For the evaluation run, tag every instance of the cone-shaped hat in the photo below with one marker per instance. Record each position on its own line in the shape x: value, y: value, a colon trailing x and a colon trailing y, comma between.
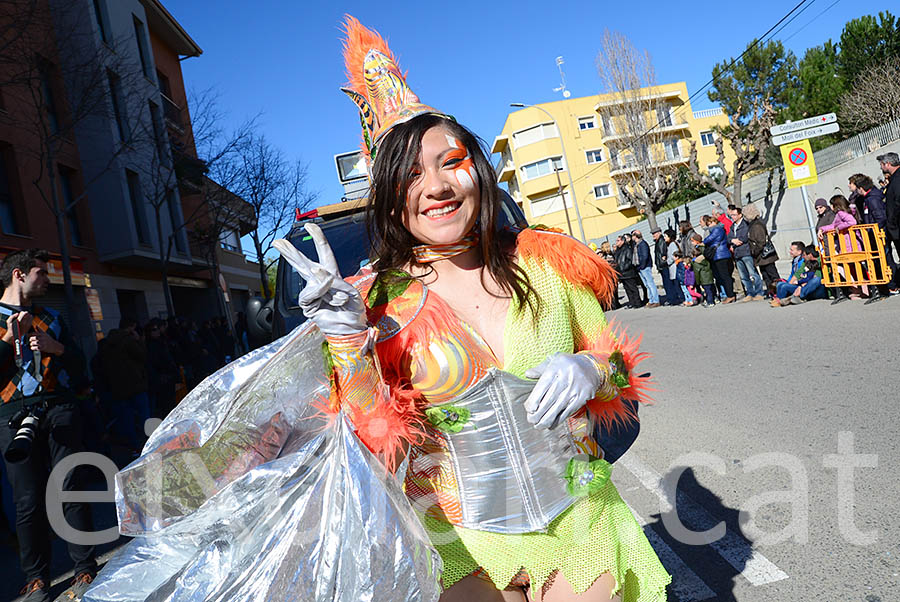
x: 376, y: 84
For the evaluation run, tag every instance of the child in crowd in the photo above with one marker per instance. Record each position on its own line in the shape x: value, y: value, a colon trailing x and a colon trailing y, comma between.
x: 679, y: 278
x: 690, y: 282
x: 703, y: 275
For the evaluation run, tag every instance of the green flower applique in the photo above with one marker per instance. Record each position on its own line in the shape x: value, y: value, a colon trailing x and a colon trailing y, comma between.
x: 586, y: 477
x: 618, y: 373
x: 448, y: 418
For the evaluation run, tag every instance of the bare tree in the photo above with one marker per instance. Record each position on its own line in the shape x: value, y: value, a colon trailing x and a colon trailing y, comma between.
x: 635, y: 116
x: 874, y: 97
x: 53, y: 92
x: 274, y: 187
x: 172, y: 168
x: 749, y: 142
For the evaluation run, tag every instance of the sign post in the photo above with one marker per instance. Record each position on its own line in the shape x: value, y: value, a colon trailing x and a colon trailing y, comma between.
x: 799, y: 165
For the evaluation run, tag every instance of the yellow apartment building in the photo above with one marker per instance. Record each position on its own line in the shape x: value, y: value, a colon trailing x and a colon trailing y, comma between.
x: 543, y: 147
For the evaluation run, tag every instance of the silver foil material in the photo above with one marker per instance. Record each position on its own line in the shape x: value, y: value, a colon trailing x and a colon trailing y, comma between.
x: 248, y: 491
x: 510, y: 475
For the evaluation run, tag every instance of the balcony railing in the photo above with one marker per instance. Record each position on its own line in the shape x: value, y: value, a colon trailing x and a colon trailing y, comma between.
x: 505, y: 168
x: 619, y: 167
x: 708, y: 113
x: 655, y: 128
x: 172, y: 113
x: 623, y: 203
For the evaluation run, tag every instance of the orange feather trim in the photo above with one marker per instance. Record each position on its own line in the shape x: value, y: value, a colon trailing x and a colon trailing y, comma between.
x: 358, y: 41
x: 615, y: 412
x: 573, y: 260
x: 388, y: 427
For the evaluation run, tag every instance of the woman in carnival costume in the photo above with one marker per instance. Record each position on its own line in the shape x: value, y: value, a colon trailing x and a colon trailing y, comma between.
x: 453, y: 303
x: 475, y: 363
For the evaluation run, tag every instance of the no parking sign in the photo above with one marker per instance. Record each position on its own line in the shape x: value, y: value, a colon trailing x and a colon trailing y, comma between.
x: 799, y: 165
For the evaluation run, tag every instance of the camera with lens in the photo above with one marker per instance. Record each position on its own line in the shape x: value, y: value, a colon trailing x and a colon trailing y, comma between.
x: 25, y: 422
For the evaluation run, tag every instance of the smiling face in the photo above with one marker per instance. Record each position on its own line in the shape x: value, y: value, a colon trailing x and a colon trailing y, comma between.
x: 443, y: 199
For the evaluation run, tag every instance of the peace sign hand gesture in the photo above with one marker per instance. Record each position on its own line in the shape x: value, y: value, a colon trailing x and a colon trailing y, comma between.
x: 331, y: 303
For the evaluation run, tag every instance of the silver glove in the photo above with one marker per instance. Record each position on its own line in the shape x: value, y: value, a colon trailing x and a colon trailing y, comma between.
x: 565, y: 383
x: 331, y: 303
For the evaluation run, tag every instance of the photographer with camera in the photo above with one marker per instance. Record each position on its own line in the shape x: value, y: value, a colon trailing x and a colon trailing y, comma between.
x: 40, y: 369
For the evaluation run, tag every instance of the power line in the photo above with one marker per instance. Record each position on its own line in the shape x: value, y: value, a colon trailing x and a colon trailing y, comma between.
x: 727, y: 68
x: 810, y: 22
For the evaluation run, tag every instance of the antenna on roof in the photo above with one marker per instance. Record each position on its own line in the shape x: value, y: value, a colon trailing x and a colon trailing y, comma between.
x: 562, y: 77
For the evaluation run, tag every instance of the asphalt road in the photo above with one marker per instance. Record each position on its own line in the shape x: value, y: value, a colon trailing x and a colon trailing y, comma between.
x: 753, y: 403
x: 750, y: 405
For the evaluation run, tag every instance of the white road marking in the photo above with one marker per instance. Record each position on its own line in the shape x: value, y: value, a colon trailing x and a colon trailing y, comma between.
x: 686, y: 584
x: 756, y: 568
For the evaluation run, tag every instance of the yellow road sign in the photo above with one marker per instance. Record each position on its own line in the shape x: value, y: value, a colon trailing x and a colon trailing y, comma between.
x: 799, y: 165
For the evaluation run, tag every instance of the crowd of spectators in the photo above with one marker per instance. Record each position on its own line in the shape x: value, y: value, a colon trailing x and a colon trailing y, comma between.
x: 697, y: 268
x: 142, y: 371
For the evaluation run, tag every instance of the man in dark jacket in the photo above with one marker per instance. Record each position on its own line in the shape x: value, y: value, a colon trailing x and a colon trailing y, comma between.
x: 739, y: 240
x: 41, y: 370
x: 764, y: 255
x: 660, y: 256
x: 645, y: 268
x: 628, y: 275
x: 890, y: 163
x: 873, y: 212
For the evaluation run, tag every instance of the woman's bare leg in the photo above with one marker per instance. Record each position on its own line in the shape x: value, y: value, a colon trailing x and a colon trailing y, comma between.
x: 560, y: 590
x: 476, y: 589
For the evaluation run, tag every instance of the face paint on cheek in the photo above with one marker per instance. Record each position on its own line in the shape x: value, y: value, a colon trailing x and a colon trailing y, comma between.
x: 464, y: 179
x: 464, y: 170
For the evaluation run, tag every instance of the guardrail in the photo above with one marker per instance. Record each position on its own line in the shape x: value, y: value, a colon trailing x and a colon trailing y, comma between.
x: 854, y: 256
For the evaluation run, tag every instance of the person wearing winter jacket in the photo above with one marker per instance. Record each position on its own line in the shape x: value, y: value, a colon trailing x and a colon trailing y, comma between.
x: 628, y: 275
x: 875, y: 212
x: 721, y: 263
x: 703, y: 275
x: 826, y: 215
x: 661, y: 255
x: 645, y: 268
x: 758, y: 238
x: 677, y: 297
x: 739, y: 239
x: 842, y: 221
x: 686, y: 243
x: 808, y: 284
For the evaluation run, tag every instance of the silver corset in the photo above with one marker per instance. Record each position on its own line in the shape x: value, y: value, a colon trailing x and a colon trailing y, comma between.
x: 510, y: 475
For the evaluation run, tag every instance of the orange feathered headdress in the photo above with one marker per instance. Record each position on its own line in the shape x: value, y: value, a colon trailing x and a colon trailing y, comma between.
x: 376, y: 85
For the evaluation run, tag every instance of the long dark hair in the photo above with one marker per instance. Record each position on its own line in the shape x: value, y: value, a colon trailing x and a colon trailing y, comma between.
x: 839, y: 203
x: 392, y: 243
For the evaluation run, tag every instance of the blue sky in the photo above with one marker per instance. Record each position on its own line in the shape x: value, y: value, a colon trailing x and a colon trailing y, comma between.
x: 470, y: 59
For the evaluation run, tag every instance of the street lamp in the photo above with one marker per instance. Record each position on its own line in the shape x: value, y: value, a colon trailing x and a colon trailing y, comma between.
x: 562, y: 145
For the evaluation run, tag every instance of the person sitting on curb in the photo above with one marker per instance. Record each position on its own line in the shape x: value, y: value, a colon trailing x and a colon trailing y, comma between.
x: 785, y: 288
x: 809, y: 285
